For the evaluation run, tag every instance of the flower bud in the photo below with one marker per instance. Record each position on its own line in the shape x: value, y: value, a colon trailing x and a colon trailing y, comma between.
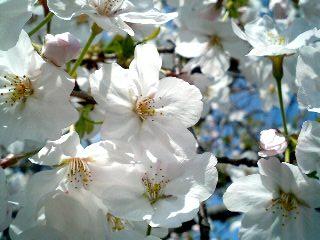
x: 272, y: 142
x: 61, y: 48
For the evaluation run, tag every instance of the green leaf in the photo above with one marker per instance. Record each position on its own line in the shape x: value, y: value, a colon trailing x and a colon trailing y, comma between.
x: 313, y: 175
x: 85, y: 125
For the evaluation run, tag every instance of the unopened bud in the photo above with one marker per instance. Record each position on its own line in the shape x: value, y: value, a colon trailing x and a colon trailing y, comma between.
x: 61, y: 48
x: 272, y: 142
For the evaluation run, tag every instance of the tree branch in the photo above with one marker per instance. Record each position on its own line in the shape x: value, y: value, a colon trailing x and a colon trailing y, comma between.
x: 83, y: 96
x: 204, y: 222
x: 238, y: 162
x: 12, y: 159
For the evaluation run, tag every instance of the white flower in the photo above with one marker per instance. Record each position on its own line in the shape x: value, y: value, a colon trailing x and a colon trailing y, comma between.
x: 272, y: 142
x: 61, y: 48
x: 258, y: 71
x: 112, y: 15
x: 137, y: 103
x: 5, y: 209
x: 308, y: 78
x: 34, y: 96
x: 77, y: 171
x: 307, y: 150
x: 278, y: 203
x: 13, y: 16
x: 164, y: 190
x: 62, y: 217
x: 210, y: 42
x: 269, y: 39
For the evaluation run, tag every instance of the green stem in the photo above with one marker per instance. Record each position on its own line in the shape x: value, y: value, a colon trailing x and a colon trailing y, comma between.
x: 95, y: 30
x: 278, y: 75
x: 148, y: 233
x: 40, y: 25
x: 277, y: 67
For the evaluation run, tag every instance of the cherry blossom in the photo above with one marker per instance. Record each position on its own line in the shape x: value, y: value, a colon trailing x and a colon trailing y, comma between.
x: 28, y: 88
x: 112, y: 15
x: 278, y: 203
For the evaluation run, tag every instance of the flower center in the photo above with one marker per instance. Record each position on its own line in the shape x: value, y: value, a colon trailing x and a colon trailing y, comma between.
x: 272, y: 88
x: 145, y: 108
x: 115, y: 223
x: 79, y: 174
x: 82, y: 19
x: 15, y: 89
x: 287, y: 203
x: 154, y: 186
x: 276, y: 39
x: 106, y: 7
x: 215, y: 41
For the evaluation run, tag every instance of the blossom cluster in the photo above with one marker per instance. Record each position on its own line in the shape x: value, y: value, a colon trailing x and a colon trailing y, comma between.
x: 106, y: 101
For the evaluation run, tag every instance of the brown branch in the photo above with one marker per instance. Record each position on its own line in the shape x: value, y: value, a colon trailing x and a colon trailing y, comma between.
x: 238, y: 162
x: 12, y: 159
x: 204, y: 222
x: 84, y: 96
x: 166, y: 50
x: 220, y: 212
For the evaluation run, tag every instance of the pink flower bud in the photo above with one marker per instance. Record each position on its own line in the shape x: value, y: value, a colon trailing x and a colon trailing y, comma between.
x: 272, y: 142
x: 61, y: 48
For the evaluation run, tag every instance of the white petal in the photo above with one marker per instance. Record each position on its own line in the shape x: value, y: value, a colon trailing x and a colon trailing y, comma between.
x: 179, y: 100
x: 246, y: 193
x: 53, y: 152
x: 112, y: 24
x: 308, y: 79
x: 66, y: 9
x: 147, y: 63
x: 189, y: 44
x: 261, y: 224
x: 41, y: 233
x: 307, y: 151
x: 148, y: 17
x: 13, y: 16
x: 173, y: 212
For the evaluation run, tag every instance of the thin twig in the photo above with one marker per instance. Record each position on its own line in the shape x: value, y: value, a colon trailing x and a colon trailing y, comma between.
x: 238, y: 162
x: 12, y: 159
x: 204, y: 222
x: 83, y: 96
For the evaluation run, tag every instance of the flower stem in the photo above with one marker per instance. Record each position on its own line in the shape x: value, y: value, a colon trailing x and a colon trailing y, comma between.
x: 95, y: 30
x: 148, y: 233
x: 277, y: 67
x: 40, y: 25
x: 278, y: 75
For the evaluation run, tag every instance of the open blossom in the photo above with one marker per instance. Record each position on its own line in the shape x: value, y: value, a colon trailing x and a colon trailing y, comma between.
x: 61, y: 48
x: 278, y: 203
x: 272, y: 142
x: 34, y: 96
x: 13, y: 16
x: 112, y: 15
x: 164, y: 190
x: 137, y: 102
x: 76, y: 171
x: 308, y: 78
x: 307, y: 151
x: 258, y: 71
x: 268, y: 39
x: 62, y: 217
x: 210, y: 43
